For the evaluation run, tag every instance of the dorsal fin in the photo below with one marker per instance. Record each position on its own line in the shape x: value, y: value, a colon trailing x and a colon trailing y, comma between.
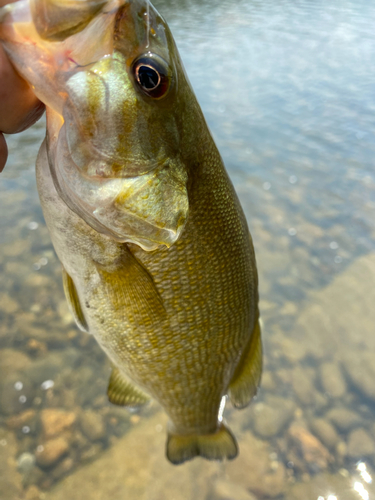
x: 123, y: 393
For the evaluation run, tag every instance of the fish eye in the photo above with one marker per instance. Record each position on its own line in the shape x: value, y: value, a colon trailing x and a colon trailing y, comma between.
x: 152, y: 75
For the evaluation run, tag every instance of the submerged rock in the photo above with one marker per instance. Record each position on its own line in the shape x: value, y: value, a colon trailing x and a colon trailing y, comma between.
x: 34, y: 493
x: 272, y: 416
x: 16, y: 422
x: 227, y: 490
x: 325, y: 431
x: 16, y: 393
x: 136, y: 468
x: 51, y: 451
x: 332, y: 380
x: 337, y: 486
x: 255, y: 470
x: 12, y: 361
x: 328, y: 327
x: 62, y: 468
x: 360, y: 444
x: 10, y: 478
x: 48, y: 367
x: 25, y: 462
x: 55, y: 421
x: 92, y: 425
x: 313, y: 452
x: 7, y: 304
x: 304, y: 386
x: 344, y: 419
x: 360, y: 369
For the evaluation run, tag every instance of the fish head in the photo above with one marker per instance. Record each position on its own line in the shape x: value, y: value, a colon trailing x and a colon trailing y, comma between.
x: 121, y: 135
x: 119, y: 110
x: 116, y: 95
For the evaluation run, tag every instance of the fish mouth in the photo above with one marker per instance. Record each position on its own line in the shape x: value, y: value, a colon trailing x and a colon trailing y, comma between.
x: 148, y: 210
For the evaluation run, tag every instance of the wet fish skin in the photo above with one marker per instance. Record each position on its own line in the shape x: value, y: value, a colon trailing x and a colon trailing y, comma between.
x: 178, y: 320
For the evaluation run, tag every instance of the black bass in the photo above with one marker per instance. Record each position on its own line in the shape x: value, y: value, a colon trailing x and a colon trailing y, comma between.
x: 157, y: 258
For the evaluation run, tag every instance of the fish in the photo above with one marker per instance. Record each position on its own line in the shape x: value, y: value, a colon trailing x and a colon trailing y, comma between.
x: 157, y: 258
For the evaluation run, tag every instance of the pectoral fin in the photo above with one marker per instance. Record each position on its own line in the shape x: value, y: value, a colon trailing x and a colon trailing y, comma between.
x: 123, y: 393
x: 133, y: 290
x: 73, y: 302
x: 246, y: 378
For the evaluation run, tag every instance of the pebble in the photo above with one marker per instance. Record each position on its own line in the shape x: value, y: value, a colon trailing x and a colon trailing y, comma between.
x: 25, y: 462
x: 293, y: 350
x: 18, y: 421
x: 34, y: 493
x: 16, y: 248
x: 227, y: 490
x: 12, y: 361
x: 55, y: 421
x: 10, y: 478
x: 325, y: 431
x: 256, y: 471
x: 332, y: 380
x: 360, y: 444
x: 51, y: 451
x: 268, y: 382
x: 313, y: 452
x: 92, y: 425
x: 13, y: 401
x: 48, y: 367
x: 326, y: 487
x: 36, y: 347
x: 7, y: 304
x: 37, y: 280
x: 344, y: 419
x: 62, y: 468
x: 360, y: 369
x: 91, y: 453
x: 303, y: 386
x: 341, y: 451
x: 271, y: 417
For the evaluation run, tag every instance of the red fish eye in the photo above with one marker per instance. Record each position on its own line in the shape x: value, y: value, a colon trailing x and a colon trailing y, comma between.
x: 151, y: 74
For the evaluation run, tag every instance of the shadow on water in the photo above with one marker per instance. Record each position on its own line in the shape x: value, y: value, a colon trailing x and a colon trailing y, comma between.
x: 287, y: 90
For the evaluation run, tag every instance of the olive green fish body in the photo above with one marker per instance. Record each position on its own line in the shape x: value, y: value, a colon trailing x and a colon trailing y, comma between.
x: 157, y: 257
x: 177, y: 319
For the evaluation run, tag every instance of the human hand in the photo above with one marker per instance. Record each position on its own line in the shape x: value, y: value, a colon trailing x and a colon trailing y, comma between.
x: 19, y: 107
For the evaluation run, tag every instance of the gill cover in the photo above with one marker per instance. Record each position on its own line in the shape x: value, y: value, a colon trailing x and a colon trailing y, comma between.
x: 107, y: 74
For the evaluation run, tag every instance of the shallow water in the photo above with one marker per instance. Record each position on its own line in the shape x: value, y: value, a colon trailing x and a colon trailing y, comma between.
x: 287, y: 89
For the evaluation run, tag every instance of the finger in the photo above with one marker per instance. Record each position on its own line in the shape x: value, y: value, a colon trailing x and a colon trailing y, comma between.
x: 3, y: 152
x: 19, y: 106
x: 4, y: 2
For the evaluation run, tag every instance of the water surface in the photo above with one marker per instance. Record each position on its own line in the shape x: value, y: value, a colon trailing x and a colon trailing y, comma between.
x: 287, y: 89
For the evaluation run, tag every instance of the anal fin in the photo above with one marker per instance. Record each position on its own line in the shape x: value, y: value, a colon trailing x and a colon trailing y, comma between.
x: 123, y: 393
x: 246, y: 378
x: 73, y: 301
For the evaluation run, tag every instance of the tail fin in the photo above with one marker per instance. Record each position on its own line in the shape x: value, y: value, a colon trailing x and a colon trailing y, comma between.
x: 217, y: 446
